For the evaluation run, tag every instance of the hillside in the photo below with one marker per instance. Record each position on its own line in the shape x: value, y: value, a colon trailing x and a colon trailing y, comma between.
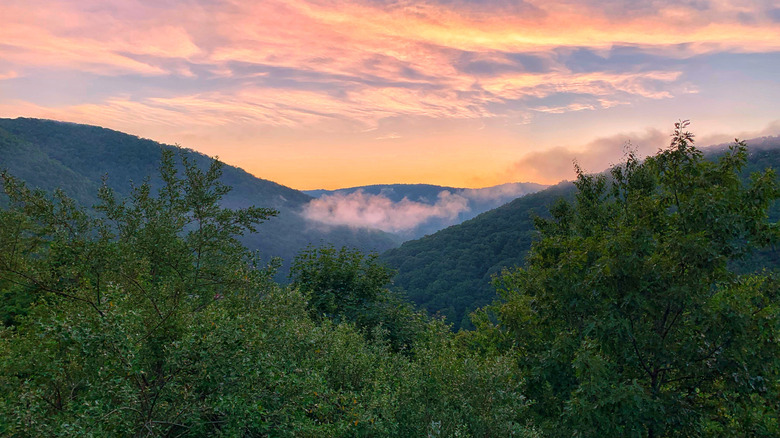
x: 450, y: 272
x: 49, y: 154
x: 427, y: 208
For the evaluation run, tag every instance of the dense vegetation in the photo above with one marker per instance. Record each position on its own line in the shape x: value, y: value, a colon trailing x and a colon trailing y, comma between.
x: 150, y: 318
x: 628, y: 321
x: 48, y: 155
x: 450, y: 272
x: 147, y: 316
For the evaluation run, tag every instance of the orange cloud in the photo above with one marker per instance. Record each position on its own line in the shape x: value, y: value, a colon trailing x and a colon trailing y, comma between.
x: 339, y: 36
x: 557, y: 163
x: 391, y: 59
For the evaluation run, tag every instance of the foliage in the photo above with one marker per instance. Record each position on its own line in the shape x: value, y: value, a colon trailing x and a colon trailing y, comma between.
x: 147, y: 317
x: 627, y: 319
x: 117, y: 295
x: 450, y: 272
x: 639, y: 313
x: 346, y: 285
x: 340, y: 282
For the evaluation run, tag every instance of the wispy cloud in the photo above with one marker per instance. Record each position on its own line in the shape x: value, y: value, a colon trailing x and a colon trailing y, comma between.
x: 365, y: 61
x: 348, y: 66
x: 8, y: 75
x: 390, y: 136
x: 501, y: 193
x: 557, y: 163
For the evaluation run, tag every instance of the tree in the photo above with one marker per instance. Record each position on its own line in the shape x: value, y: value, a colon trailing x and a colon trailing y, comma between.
x: 346, y: 285
x: 627, y: 319
x: 115, y: 297
x: 339, y: 283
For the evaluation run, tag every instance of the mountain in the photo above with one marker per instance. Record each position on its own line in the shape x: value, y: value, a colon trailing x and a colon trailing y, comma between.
x: 49, y: 154
x: 410, y: 210
x: 450, y: 271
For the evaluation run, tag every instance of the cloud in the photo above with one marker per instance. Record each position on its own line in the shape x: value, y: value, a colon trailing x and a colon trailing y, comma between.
x: 564, y: 109
x: 359, y: 209
x: 299, y: 75
x: 369, y: 60
x: 503, y: 192
x: 772, y: 129
x: 361, y: 107
x: 643, y: 84
x: 390, y: 136
x: 555, y: 164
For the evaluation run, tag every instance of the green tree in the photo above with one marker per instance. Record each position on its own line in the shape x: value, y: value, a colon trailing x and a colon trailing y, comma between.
x: 115, y: 297
x: 339, y: 282
x: 628, y: 321
x: 346, y: 285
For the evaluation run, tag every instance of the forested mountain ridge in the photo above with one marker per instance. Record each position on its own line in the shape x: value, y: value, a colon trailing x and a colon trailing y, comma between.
x: 87, y: 153
x: 427, y: 193
x: 49, y: 154
x: 450, y: 272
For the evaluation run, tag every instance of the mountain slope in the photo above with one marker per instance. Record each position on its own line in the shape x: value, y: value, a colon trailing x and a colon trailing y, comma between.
x: 450, y: 271
x: 49, y: 154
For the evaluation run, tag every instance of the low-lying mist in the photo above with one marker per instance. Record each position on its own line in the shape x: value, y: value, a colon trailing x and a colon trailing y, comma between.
x: 402, y: 210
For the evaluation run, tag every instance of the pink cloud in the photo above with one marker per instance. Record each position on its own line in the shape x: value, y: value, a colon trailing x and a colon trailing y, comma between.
x: 557, y: 163
x: 349, y: 38
x: 505, y: 192
x: 196, y: 69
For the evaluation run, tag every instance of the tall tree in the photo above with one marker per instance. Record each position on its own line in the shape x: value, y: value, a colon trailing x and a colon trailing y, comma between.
x: 114, y: 297
x: 628, y: 320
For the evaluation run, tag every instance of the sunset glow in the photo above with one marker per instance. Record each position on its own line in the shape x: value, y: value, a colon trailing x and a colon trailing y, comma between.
x: 329, y: 94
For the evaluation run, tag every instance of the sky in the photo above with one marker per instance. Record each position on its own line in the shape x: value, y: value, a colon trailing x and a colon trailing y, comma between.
x: 331, y: 94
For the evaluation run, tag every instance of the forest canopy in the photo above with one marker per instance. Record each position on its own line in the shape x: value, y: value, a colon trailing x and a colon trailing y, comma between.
x: 146, y: 316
